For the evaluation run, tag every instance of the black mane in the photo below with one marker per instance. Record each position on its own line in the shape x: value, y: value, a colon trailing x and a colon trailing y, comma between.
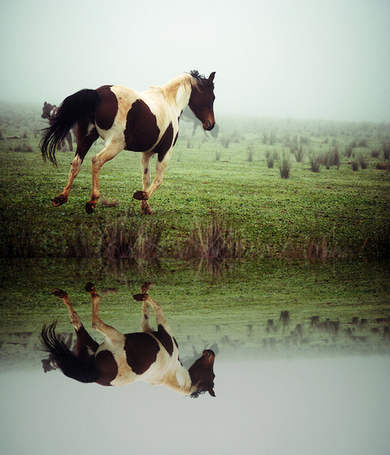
x: 202, y: 81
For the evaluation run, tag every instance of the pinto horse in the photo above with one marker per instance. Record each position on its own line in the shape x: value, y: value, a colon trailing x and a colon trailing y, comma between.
x: 151, y: 356
x: 48, y: 112
x: 146, y: 122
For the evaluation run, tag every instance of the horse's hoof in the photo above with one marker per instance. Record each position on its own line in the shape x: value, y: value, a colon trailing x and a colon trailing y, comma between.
x: 89, y: 287
x: 59, y: 293
x: 90, y: 207
x: 59, y: 200
x: 140, y: 297
x: 140, y: 196
x: 146, y: 210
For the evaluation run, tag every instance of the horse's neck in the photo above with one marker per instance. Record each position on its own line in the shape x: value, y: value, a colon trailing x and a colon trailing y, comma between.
x: 177, y: 92
x: 178, y: 380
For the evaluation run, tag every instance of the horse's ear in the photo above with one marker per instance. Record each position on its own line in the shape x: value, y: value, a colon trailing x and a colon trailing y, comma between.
x: 211, y: 77
x: 212, y: 393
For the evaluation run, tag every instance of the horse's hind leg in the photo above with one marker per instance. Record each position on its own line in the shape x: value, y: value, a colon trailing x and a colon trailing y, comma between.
x: 86, y: 345
x: 109, y: 332
x: 108, y: 153
x: 85, y: 140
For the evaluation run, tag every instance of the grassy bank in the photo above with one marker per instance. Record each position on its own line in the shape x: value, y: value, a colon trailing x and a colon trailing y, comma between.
x: 221, y: 198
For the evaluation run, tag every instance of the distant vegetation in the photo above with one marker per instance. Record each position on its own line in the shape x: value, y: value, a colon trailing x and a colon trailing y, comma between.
x: 263, y: 188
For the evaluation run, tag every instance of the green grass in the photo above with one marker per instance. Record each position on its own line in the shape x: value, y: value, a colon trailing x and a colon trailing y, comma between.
x: 333, y: 213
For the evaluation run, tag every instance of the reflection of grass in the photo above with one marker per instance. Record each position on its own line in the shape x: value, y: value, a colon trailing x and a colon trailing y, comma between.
x: 232, y: 308
x: 333, y: 213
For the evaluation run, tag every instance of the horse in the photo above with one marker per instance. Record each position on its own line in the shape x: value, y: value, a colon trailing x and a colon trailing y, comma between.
x: 48, y: 112
x: 150, y: 355
x: 188, y: 116
x: 146, y: 122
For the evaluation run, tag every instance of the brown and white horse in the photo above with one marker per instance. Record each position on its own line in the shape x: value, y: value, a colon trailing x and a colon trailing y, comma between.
x: 146, y: 122
x: 149, y: 355
x: 48, y: 112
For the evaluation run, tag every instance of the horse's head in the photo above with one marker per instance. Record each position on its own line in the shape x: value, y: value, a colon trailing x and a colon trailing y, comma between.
x: 202, y: 374
x: 202, y: 99
x: 46, y: 110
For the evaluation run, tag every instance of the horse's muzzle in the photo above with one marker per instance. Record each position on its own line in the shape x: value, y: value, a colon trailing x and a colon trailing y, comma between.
x: 208, y: 126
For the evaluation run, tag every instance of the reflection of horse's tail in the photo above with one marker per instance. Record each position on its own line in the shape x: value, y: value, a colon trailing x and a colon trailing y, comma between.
x: 75, y: 108
x: 69, y: 363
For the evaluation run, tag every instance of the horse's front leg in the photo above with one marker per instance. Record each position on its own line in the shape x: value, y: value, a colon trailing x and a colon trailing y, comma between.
x: 161, y: 165
x: 109, y: 332
x: 142, y: 195
x: 145, y: 322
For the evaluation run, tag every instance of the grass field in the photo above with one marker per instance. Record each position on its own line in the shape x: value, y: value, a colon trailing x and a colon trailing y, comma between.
x: 220, y: 197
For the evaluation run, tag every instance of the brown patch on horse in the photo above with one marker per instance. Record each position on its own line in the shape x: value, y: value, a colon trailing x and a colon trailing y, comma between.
x: 107, y: 367
x: 165, y: 339
x: 165, y: 143
x: 86, y: 346
x: 141, y: 351
x: 141, y: 131
x: 107, y: 109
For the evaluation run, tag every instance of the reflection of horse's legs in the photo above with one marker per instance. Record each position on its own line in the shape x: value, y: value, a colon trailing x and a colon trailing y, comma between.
x: 84, y: 141
x: 109, y: 332
x: 160, y: 318
x: 74, y: 317
x: 144, y: 195
x: 145, y: 323
x: 86, y: 345
x: 108, y: 153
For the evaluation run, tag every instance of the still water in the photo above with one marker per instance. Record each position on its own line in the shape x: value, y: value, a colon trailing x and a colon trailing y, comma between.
x: 302, y: 359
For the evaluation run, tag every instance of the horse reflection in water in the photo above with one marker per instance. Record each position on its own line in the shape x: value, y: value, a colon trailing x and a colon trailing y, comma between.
x: 149, y: 355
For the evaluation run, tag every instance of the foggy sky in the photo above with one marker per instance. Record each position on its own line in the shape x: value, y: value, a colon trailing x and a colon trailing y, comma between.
x: 273, y: 58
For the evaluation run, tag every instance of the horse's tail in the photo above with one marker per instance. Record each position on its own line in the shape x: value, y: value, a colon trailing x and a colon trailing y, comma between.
x: 79, y: 106
x: 69, y: 363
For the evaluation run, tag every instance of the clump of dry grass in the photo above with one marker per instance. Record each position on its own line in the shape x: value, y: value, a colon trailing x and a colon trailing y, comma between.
x: 124, y: 238
x: 215, y: 240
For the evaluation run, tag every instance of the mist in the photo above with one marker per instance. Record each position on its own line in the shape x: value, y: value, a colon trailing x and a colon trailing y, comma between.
x: 322, y: 406
x: 279, y: 59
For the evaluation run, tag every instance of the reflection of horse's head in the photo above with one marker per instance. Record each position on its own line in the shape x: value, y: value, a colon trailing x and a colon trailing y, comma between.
x: 149, y: 355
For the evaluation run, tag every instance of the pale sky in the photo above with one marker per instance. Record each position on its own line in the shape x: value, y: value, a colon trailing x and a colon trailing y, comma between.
x: 273, y: 58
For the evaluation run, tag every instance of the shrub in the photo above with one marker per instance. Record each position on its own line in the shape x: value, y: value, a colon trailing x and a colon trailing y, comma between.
x: 270, y: 158
x: 215, y: 240
x: 386, y: 150
x: 375, y: 154
x: 348, y: 151
x: 363, y: 162
x: 251, y: 153
x: 355, y: 165
x: 285, y: 165
x: 315, y: 163
x: 299, y: 154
